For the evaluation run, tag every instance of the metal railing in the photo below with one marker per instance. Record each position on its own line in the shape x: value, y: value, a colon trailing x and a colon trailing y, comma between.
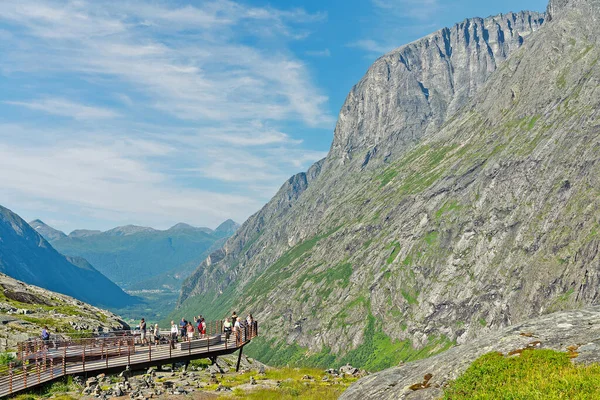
x: 40, y: 361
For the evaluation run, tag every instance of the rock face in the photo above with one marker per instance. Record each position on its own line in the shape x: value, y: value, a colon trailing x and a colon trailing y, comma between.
x: 25, y: 255
x: 411, y: 91
x: 484, y: 216
x: 577, y: 330
x: 25, y: 309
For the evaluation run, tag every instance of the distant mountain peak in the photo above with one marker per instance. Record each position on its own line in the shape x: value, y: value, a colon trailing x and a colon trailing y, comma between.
x: 229, y: 226
x: 47, y: 232
x: 187, y: 227
x: 128, y: 230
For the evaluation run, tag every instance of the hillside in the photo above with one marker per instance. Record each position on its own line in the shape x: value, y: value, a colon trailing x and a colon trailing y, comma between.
x: 141, y: 258
x: 25, y: 255
x: 459, y: 196
x: 25, y: 309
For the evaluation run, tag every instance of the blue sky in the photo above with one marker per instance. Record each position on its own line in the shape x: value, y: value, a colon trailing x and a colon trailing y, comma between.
x: 157, y: 112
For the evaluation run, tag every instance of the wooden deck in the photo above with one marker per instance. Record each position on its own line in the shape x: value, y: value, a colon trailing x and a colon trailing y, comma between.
x: 39, y: 363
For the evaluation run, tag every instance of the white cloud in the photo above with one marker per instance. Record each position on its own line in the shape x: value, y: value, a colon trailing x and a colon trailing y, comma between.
x: 181, y: 119
x: 66, y: 108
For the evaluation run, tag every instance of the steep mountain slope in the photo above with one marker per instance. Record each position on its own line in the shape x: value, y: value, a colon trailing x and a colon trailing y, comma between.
x: 25, y: 309
x: 139, y: 257
x: 312, y: 262
x: 486, y: 221
x: 25, y: 255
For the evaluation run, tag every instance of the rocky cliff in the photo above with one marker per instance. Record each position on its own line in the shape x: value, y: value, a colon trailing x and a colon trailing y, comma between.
x: 470, y: 206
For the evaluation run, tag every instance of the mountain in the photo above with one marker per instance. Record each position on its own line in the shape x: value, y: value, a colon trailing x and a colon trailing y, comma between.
x: 25, y: 255
x: 46, y: 231
x: 142, y: 258
x: 460, y: 195
x: 24, y: 310
x: 227, y: 228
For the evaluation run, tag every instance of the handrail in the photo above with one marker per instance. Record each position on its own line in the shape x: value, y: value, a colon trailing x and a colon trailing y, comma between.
x: 41, y: 361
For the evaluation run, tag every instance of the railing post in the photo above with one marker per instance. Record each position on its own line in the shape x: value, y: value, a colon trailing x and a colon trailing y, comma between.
x: 149, y: 351
x: 10, y: 375
x: 128, y: 352
x: 170, y: 345
x: 24, y: 375
x: 83, y: 356
x: 64, y: 360
x: 37, y: 366
x: 106, y: 358
x: 51, y: 367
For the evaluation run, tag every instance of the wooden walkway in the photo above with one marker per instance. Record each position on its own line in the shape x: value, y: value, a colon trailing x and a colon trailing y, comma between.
x: 39, y: 363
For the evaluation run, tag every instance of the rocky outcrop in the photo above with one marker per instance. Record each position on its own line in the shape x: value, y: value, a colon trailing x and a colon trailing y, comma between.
x: 25, y: 309
x: 485, y: 221
x: 576, y: 331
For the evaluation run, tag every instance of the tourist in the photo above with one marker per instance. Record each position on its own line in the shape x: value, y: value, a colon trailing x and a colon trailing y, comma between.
x: 45, y: 334
x: 183, y: 327
x: 227, y: 328
x: 250, y: 322
x: 202, y: 328
x: 234, y: 317
x: 237, y: 329
x: 190, y: 331
x: 156, y: 334
x: 143, y: 338
x: 174, y: 332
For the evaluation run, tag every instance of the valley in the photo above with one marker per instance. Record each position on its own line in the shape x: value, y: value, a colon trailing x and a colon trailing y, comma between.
x: 449, y: 237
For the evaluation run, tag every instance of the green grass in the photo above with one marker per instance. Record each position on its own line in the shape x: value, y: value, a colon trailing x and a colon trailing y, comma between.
x: 379, y: 351
x: 292, y: 385
x: 534, y: 375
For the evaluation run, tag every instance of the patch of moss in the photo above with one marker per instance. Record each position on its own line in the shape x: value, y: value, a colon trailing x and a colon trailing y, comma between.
x: 535, y: 374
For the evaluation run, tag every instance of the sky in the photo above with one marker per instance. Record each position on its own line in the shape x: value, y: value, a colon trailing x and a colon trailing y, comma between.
x: 158, y: 112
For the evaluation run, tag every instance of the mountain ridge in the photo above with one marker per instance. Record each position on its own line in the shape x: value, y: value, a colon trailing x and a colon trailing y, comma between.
x: 25, y: 255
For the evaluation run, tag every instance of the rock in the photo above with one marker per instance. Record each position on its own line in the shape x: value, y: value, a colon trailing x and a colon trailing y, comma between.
x: 261, y: 369
x: 307, y: 378
x: 222, y: 388
x: 117, y: 391
x: 126, y: 374
x: 215, y: 369
x: 349, y: 370
x: 252, y: 380
x: 91, y: 381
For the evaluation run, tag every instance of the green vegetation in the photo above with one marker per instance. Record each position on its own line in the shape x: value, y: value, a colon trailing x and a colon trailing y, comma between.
x: 379, y: 352
x: 394, y: 253
x: 293, y: 386
x: 56, y: 390
x: 448, y: 208
x: 535, y: 374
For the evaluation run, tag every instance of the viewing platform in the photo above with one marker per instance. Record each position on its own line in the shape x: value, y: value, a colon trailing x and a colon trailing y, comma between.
x: 40, y: 362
